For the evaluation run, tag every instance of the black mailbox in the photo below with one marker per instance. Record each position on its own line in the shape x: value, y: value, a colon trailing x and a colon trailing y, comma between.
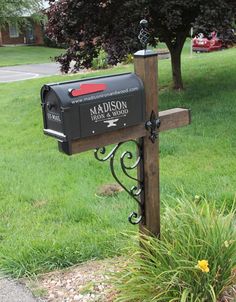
x: 79, y: 109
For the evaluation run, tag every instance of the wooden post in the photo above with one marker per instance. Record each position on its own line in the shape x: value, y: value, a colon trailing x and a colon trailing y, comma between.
x: 145, y: 65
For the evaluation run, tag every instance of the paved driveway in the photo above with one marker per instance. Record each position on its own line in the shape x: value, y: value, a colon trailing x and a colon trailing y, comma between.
x: 25, y: 72
x: 11, y: 291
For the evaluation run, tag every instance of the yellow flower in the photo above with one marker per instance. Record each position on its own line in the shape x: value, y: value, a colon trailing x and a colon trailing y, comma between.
x: 226, y: 243
x: 203, y: 266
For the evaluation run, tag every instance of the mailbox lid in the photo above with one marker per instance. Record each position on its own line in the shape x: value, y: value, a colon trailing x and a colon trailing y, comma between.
x: 111, y: 84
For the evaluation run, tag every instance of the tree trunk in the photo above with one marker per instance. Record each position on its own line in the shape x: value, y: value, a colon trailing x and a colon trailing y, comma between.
x: 175, y: 52
x: 176, y: 69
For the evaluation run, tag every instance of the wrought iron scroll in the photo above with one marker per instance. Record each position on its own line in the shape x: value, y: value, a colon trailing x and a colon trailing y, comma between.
x: 135, y: 191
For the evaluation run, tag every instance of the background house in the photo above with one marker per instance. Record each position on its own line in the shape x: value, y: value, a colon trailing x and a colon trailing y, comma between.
x: 30, y: 33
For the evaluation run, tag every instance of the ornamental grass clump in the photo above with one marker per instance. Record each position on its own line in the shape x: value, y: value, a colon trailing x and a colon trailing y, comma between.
x: 194, y: 261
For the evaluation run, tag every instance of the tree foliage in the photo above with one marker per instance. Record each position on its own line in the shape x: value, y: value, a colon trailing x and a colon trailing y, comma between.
x: 87, y: 26
x: 13, y: 10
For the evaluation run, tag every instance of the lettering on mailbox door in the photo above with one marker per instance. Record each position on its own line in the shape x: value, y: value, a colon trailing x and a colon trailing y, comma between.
x: 107, y: 111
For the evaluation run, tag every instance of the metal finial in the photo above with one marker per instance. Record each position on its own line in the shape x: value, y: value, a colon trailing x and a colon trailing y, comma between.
x: 144, y: 33
x: 144, y: 23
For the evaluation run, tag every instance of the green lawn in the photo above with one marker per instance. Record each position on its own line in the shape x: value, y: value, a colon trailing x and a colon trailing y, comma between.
x: 50, y: 214
x: 19, y: 55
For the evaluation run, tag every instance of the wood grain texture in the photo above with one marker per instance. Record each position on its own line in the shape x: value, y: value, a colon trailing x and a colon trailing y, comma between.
x: 170, y: 119
x: 146, y: 69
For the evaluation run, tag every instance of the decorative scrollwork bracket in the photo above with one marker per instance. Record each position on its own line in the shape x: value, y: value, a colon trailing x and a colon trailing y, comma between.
x: 135, y: 191
x: 152, y: 125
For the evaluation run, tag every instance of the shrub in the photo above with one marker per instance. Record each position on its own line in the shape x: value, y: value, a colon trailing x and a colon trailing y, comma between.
x: 129, y: 59
x: 50, y: 43
x: 101, y: 61
x: 193, y: 261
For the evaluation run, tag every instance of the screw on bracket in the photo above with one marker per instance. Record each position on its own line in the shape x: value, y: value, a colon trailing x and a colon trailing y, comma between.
x: 152, y: 125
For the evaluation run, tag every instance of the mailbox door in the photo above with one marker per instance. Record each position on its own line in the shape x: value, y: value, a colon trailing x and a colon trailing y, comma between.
x: 53, y: 119
x: 111, y: 114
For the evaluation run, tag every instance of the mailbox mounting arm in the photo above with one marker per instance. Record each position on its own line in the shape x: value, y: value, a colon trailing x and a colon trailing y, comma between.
x: 135, y: 191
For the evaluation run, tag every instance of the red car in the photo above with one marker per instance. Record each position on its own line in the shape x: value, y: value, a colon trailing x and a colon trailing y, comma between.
x: 211, y: 43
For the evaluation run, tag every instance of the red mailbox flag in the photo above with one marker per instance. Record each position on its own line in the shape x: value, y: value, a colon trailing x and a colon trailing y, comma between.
x: 87, y: 89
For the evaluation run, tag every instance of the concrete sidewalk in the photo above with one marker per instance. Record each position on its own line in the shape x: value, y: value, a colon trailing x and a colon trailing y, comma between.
x: 10, y: 291
x: 25, y: 72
